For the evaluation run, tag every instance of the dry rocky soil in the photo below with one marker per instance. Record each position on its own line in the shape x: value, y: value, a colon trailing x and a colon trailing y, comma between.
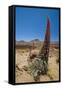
x: 23, y: 76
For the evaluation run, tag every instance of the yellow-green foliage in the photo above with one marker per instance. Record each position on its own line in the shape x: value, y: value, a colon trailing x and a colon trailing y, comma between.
x: 50, y: 74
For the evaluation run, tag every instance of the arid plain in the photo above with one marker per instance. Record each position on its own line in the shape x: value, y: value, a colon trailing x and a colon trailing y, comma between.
x: 22, y: 55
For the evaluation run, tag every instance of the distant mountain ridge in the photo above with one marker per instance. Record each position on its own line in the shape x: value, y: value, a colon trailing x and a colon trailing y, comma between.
x: 35, y: 41
x: 29, y: 43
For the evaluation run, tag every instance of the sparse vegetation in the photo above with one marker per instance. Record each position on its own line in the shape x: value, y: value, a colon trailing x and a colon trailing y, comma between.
x: 23, y: 72
x: 57, y: 60
x: 50, y: 74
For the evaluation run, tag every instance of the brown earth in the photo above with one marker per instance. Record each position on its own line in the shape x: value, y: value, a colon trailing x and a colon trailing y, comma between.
x: 23, y: 76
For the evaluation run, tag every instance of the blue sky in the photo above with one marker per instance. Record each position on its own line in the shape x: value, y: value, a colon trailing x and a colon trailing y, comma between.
x: 31, y: 23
